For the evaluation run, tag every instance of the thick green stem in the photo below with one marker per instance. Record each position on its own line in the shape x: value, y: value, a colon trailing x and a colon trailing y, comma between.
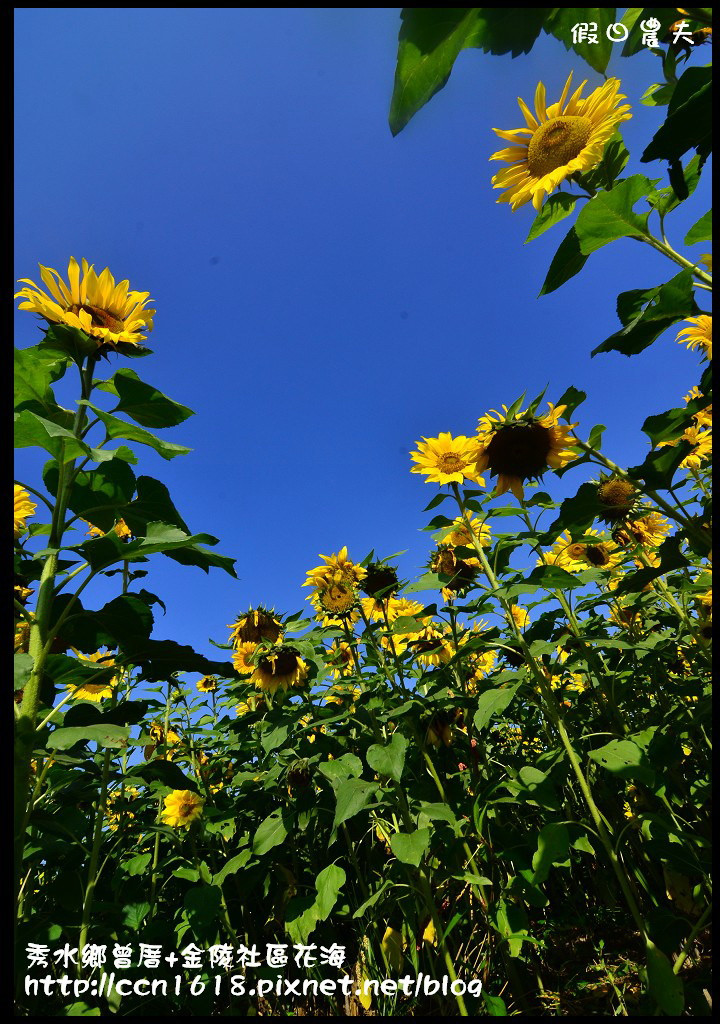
x: 94, y: 859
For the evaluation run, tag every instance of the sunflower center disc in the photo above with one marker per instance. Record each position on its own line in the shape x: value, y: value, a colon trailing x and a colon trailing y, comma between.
x: 282, y: 663
x: 101, y: 318
x: 520, y: 450
x: 450, y: 463
x: 556, y: 143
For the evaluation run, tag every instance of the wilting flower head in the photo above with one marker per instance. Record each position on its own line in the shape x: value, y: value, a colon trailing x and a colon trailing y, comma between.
x: 561, y: 140
x: 23, y: 508
x: 462, y: 571
x: 88, y: 690
x: 337, y: 569
x: 279, y: 668
x: 521, y: 447
x: 104, y: 310
x: 698, y: 335
x: 182, y: 807
x: 255, y: 625
x: 446, y: 459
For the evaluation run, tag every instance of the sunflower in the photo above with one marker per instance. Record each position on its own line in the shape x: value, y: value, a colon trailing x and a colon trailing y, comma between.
x: 343, y: 695
x: 576, y: 556
x: 96, y: 305
x: 208, y: 684
x: 403, y: 608
x: 699, y: 335
x: 336, y: 603
x: 521, y: 447
x: 22, y: 636
x: 649, y: 530
x: 564, y: 139
x: 340, y: 658
x: 279, y: 668
x: 242, y: 657
x: 616, y: 497
x: 374, y: 608
x: 94, y: 691
x: 160, y: 737
x: 249, y: 704
x: 520, y: 616
x: 23, y: 509
x: 338, y: 568
x: 462, y: 532
x: 255, y: 625
x: 182, y: 807
x: 704, y: 417
x: 121, y: 529
x: 115, y: 817
x: 462, y: 571
x: 431, y: 646
x: 446, y: 459
x: 380, y: 581
x: 700, y: 439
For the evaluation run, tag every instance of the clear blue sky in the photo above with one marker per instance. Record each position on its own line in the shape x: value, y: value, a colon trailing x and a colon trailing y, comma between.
x: 326, y: 294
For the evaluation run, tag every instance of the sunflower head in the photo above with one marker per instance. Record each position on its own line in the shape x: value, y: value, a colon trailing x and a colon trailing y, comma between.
x: 557, y: 142
x: 338, y: 568
x: 94, y: 691
x: 182, y: 807
x: 616, y: 497
x: 299, y: 774
x: 208, y: 684
x: 462, y: 572
x: 446, y: 459
x: 106, y: 312
x: 255, y: 625
x: 279, y: 668
x: 120, y: 529
x: 520, y: 446
x: 336, y: 602
x: 23, y: 509
x: 242, y: 658
x: 698, y: 335
x: 381, y: 581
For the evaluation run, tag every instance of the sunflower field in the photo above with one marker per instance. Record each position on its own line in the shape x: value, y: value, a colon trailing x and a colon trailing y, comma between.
x: 481, y: 791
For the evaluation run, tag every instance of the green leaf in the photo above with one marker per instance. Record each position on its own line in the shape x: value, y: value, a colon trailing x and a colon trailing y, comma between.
x: 328, y: 885
x: 660, y: 466
x: 577, y: 513
x: 202, y: 904
x: 633, y: 20
x: 144, y: 403
x: 624, y: 758
x: 664, y: 986
x: 493, y: 703
x: 32, y: 430
x: 152, y: 504
x: 134, y: 914
x: 271, y: 833
x: 232, y: 866
x: 410, y: 847
x: 609, y: 215
x: 158, y: 659
x: 571, y: 399
x: 162, y: 771
x: 136, y: 865
x: 553, y: 847
x: 35, y: 370
x: 129, y: 432
x: 701, y: 231
x: 689, y: 119
x: 566, y: 263
x: 596, y: 54
x: 105, y: 735
x: 271, y: 738
x: 371, y: 900
x: 98, y: 494
x: 352, y: 796
x: 556, y: 208
x: 604, y: 176
x: 666, y: 426
x: 647, y: 313
x: 552, y: 577
x: 683, y: 182
x: 22, y: 670
x: 432, y: 37
x: 390, y: 760
x: 658, y: 94
x: 122, y: 620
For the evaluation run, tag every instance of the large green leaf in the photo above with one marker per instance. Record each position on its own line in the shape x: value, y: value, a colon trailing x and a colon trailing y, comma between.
x: 701, y: 231
x: 144, y: 403
x: 493, y: 703
x: 664, y: 985
x: 432, y: 37
x: 555, y: 208
x: 158, y: 659
x: 553, y: 847
x: 624, y: 758
x: 105, y: 735
x: 647, y: 313
x: 124, y: 619
x: 566, y: 263
x: 597, y: 53
x: 390, y: 760
x: 410, y: 847
x: 271, y: 832
x: 32, y: 430
x: 129, y: 432
x: 610, y: 215
x: 98, y: 494
x: 152, y: 504
x: 328, y: 885
x: 689, y: 120
x: 35, y: 370
x: 352, y: 796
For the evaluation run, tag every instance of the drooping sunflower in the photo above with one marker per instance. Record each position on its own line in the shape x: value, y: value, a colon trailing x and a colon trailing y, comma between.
x: 380, y: 581
x: 121, y: 529
x: 446, y: 459
x: 338, y: 568
x: 87, y: 690
x: 432, y: 647
x: 104, y: 310
x: 521, y: 447
x: 255, y: 625
x: 279, y: 668
x: 462, y: 571
x: 23, y: 509
x: 698, y: 335
x: 182, y: 807
x: 561, y: 140
x: 616, y: 497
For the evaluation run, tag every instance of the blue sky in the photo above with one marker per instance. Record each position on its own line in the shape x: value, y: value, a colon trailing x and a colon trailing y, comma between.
x: 326, y: 294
